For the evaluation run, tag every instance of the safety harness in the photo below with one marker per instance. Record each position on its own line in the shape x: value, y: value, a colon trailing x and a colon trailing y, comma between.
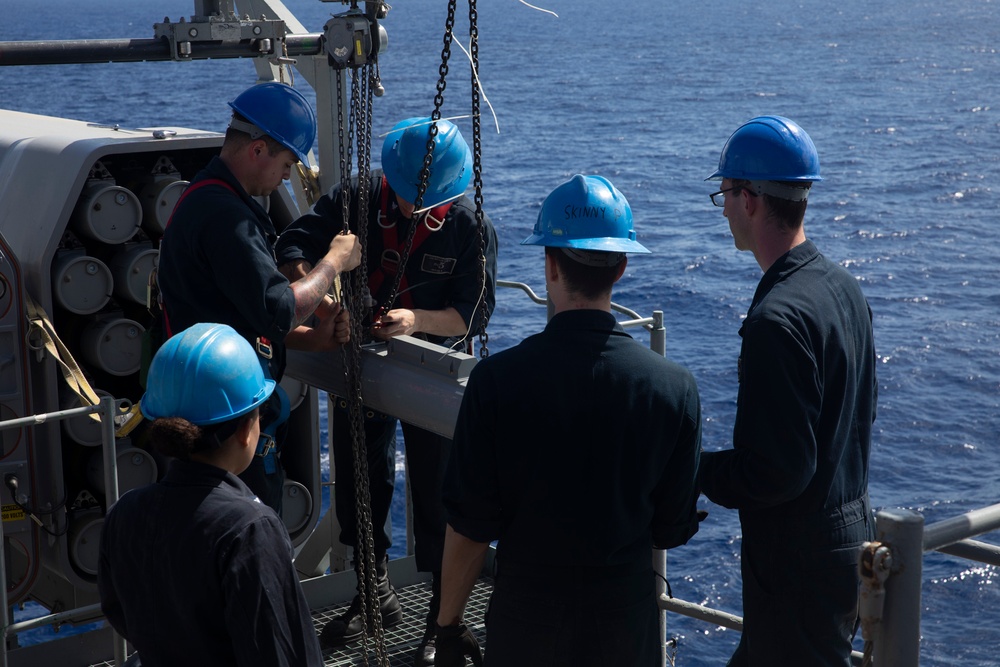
x: 393, y: 244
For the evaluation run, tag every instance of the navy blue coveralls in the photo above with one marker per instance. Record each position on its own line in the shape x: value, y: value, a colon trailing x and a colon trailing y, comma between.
x: 216, y: 264
x: 798, y: 469
x: 195, y: 570
x: 578, y: 451
x: 442, y: 270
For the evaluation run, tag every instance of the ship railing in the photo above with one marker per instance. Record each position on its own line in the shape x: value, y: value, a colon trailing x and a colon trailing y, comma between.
x: 108, y: 408
x: 654, y: 324
x: 891, y: 571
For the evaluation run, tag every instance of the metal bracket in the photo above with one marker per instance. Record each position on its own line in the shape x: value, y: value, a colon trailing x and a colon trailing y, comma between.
x: 875, y: 566
x: 267, y: 35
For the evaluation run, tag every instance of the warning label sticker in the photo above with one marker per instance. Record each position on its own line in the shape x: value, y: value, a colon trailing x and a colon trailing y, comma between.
x: 11, y: 513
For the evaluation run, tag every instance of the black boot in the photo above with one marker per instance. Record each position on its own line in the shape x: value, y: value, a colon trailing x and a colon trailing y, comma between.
x: 425, y: 652
x: 349, y: 626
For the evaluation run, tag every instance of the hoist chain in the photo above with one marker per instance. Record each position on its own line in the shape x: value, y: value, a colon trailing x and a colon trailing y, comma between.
x: 477, y: 169
x: 354, y: 292
x: 416, y: 219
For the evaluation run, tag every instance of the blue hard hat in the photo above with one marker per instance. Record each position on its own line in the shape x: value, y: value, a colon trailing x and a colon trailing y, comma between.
x: 206, y: 374
x: 403, y: 153
x: 586, y: 213
x: 769, y: 148
x: 282, y: 113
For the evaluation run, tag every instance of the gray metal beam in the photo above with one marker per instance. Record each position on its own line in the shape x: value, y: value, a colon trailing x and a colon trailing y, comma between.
x: 416, y: 381
x: 974, y: 550
x: 80, y: 51
x: 964, y: 526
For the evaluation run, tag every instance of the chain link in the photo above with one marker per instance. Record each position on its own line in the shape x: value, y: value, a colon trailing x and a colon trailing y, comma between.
x: 354, y: 296
x: 477, y: 169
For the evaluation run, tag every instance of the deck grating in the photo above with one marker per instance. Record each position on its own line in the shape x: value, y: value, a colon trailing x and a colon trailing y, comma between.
x: 402, y: 640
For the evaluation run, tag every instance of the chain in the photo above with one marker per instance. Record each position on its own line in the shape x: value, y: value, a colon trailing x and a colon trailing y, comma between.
x: 477, y: 170
x: 361, y: 112
x: 354, y: 293
x: 425, y: 170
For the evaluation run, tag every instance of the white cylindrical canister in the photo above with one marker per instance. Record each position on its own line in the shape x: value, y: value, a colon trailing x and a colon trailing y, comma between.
x: 131, y: 267
x: 296, y: 505
x: 135, y: 468
x: 107, y: 212
x: 159, y: 197
x: 85, y: 541
x: 82, y: 429
x: 81, y: 284
x: 113, y: 344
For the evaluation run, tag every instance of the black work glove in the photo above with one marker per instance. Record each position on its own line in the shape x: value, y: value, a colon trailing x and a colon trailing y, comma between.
x: 453, y: 643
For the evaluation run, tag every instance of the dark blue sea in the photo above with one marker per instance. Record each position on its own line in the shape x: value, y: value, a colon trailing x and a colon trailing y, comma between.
x: 903, y: 103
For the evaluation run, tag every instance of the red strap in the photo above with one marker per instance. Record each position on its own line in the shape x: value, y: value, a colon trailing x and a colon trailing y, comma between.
x: 391, y: 241
x: 196, y: 186
x: 188, y: 190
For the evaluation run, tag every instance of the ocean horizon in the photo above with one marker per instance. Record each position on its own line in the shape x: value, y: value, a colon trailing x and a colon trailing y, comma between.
x: 903, y: 104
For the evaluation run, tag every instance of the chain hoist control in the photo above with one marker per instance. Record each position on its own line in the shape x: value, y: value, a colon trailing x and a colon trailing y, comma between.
x: 349, y: 39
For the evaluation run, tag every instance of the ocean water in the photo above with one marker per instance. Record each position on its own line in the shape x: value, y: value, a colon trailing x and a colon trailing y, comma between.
x: 903, y: 104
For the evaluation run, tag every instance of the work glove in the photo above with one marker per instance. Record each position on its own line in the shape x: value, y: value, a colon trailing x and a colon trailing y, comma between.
x: 453, y: 643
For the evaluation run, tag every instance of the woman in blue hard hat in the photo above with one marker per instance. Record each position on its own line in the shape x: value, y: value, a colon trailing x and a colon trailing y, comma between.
x: 216, y: 261
x: 194, y: 568
x: 447, y: 284
x: 798, y: 468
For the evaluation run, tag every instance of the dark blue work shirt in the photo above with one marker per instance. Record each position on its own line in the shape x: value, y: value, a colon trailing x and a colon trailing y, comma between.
x: 576, y: 448
x: 195, y: 570
x: 217, y: 264
x: 807, y: 395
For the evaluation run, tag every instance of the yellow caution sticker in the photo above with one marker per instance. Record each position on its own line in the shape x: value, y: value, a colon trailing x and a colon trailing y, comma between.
x: 12, y: 513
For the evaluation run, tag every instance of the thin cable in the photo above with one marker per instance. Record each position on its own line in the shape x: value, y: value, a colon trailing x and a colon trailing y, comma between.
x: 547, y: 11
x: 475, y: 73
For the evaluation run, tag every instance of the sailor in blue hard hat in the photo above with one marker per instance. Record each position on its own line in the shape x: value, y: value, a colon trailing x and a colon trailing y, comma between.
x: 216, y: 261
x: 442, y: 293
x: 195, y: 564
x: 589, y: 219
x: 603, y: 409
x: 797, y: 470
x: 280, y: 116
x: 403, y: 153
x: 766, y: 157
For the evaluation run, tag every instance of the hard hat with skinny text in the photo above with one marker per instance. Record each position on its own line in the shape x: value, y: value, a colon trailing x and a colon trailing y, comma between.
x: 586, y: 213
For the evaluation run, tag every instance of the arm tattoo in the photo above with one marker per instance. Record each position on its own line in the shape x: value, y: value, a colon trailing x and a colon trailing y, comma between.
x: 310, y: 290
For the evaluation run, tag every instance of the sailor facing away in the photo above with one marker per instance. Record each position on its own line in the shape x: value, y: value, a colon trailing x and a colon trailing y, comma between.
x: 607, y: 416
x: 194, y: 568
x: 798, y: 468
